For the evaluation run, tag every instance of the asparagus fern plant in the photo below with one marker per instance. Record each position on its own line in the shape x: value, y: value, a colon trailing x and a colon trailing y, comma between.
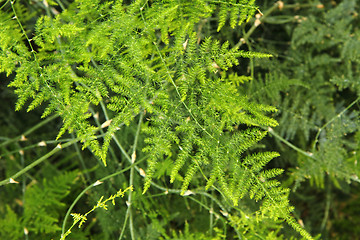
x: 172, y: 96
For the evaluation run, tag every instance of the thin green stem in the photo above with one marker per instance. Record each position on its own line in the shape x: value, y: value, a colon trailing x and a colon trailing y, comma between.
x: 103, y: 107
x: 24, y: 148
x: 307, y: 154
x: 275, y: 7
x: 38, y: 161
x: 61, y: 5
x: 98, y: 182
x: 245, y: 38
x: 4, y: 4
x: 96, y: 119
x: 211, y: 218
x: 252, y: 71
x: 16, y: 164
x: 330, y: 121
x: 23, y: 186
x: 117, y: 142
x: 39, y: 144
x: 131, y: 181
x: 206, y: 207
x: 81, y: 159
x: 124, y: 225
x: 28, y: 132
x: 327, y: 204
x: 218, y: 216
x: 272, y: 132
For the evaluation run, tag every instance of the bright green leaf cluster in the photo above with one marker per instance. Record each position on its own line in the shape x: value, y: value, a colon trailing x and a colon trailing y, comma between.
x: 150, y: 57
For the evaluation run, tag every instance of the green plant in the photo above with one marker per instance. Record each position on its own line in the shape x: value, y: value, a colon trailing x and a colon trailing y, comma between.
x: 314, y: 83
x: 159, y: 85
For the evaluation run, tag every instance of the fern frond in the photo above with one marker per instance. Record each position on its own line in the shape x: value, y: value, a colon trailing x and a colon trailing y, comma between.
x: 11, y: 226
x: 42, y: 203
x: 150, y: 57
x: 240, y: 11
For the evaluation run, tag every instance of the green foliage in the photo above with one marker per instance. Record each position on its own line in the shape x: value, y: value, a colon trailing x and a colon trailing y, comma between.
x: 314, y: 83
x: 42, y: 204
x: 80, y: 219
x: 13, y: 229
x: 162, y: 86
x: 41, y: 216
x: 318, y: 60
x: 239, y: 12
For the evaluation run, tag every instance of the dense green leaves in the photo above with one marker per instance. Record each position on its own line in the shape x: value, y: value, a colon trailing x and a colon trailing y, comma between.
x: 165, y: 82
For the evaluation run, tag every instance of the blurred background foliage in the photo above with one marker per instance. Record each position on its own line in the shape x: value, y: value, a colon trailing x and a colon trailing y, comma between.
x: 314, y: 82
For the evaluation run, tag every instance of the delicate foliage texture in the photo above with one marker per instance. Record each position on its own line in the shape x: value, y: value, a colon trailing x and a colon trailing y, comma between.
x: 314, y: 83
x: 164, y: 83
x: 81, y: 218
x: 319, y: 57
x: 42, y: 204
x: 38, y: 211
x: 121, y: 55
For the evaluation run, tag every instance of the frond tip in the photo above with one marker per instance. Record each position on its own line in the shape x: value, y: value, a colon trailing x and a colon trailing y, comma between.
x: 80, y: 219
x: 238, y: 12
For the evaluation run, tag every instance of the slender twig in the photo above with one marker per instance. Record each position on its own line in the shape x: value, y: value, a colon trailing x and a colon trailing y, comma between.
x: 124, y: 225
x: 97, y: 122
x: 61, y: 5
x: 38, y: 161
x: 98, y: 182
x: 23, y: 186
x: 244, y: 39
x: 81, y: 159
x: 36, y: 145
x: 327, y: 205
x: 28, y: 132
x: 131, y: 181
x: 330, y: 121
x: 4, y: 4
x: 307, y: 154
x: 211, y: 218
